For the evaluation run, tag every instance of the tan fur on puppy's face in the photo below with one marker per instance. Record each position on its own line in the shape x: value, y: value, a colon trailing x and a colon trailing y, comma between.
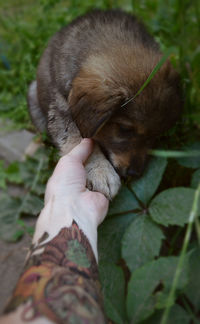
x: 124, y: 146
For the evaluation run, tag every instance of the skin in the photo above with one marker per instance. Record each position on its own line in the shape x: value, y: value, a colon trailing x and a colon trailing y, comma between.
x: 68, y: 204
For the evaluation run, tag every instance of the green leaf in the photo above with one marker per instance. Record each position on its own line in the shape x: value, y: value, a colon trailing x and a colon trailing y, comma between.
x: 195, y: 179
x: 18, y: 234
x: 145, y: 187
x: 33, y: 168
x: 141, y: 297
x: 141, y: 242
x: 140, y: 301
x: 113, y: 288
x: 172, y: 206
x: 32, y: 205
x: 167, y: 267
x: 27, y: 171
x: 192, y: 290
x: 177, y: 315
x: 125, y: 201
x: 11, y: 210
x: 13, y: 173
x: 39, y: 188
x: 162, y: 299
x: 9, y: 217
x: 110, y: 234
x: 2, y: 175
x: 191, y: 162
x: 111, y: 311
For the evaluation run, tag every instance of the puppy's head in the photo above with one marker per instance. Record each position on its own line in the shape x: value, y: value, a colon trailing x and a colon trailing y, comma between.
x: 125, y: 132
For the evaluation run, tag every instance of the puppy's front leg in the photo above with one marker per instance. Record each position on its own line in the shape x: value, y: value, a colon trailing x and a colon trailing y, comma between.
x: 101, y: 176
x: 62, y: 129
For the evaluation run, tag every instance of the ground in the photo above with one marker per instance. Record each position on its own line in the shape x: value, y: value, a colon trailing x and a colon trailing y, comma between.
x: 12, y: 257
x: 13, y: 145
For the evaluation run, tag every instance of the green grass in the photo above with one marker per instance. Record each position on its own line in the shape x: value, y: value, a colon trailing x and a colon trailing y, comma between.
x: 25, y: 27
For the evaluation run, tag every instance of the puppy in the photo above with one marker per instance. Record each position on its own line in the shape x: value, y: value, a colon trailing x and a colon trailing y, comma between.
x: 88, y: 72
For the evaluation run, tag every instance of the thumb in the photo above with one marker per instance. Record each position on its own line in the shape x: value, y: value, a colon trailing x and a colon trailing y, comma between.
x: 82, y: 151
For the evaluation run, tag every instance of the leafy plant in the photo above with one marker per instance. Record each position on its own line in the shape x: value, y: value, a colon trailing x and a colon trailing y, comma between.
x: 32, y: 175
x: 150, y: 223
x: 135, y: 233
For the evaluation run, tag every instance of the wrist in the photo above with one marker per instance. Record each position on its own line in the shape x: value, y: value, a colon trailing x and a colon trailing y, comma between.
x: 58, y: 214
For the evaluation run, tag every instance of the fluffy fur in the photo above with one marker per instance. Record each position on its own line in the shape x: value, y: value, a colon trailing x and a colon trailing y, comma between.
x: 88, y: 71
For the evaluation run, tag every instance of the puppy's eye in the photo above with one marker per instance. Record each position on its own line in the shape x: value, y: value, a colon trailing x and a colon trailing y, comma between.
x: 124, y: 130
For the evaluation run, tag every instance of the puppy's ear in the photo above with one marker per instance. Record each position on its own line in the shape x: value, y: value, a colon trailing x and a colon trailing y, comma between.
x: 92, y: 101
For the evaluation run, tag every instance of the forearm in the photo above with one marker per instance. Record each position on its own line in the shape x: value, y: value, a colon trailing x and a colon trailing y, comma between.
x: 60, y: 280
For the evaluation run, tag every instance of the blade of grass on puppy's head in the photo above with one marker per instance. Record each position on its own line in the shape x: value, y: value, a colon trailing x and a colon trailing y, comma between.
x: 151, y: 75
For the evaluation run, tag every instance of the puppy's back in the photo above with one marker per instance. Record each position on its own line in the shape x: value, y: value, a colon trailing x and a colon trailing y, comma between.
x: 112, y: 44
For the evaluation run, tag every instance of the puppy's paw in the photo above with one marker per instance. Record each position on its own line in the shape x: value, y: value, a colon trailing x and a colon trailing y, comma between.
x: 102, y: 177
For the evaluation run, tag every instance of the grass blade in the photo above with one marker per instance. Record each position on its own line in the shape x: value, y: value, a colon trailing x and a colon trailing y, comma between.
x: 151, y: 75
x: 192, y: 218
x: 174, y: 154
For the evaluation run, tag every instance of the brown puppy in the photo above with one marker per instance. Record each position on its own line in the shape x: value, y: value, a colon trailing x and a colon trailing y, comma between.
x: 88, y: 71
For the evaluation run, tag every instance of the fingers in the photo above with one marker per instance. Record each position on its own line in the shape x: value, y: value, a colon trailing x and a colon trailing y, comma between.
x: 69, y: 169
x: 82, y: 151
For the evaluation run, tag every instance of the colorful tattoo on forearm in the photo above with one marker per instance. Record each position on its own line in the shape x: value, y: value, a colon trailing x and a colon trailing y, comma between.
x: 61, y: 283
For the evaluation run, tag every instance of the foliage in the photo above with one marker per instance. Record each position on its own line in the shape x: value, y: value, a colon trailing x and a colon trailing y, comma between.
x: 138, y: 238
x: 32, y: 175
x: 143, y: 298
x: 149, y: 257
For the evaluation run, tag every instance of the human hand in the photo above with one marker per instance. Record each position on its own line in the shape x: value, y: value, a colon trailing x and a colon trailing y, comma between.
x: 67, y: 185
x: 68, y: 199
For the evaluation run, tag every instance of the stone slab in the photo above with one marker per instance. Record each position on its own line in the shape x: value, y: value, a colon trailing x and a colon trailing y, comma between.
x: 15, y: 144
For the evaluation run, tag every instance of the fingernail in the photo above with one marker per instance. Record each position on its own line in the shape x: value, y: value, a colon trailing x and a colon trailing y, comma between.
x: 86, y: 140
